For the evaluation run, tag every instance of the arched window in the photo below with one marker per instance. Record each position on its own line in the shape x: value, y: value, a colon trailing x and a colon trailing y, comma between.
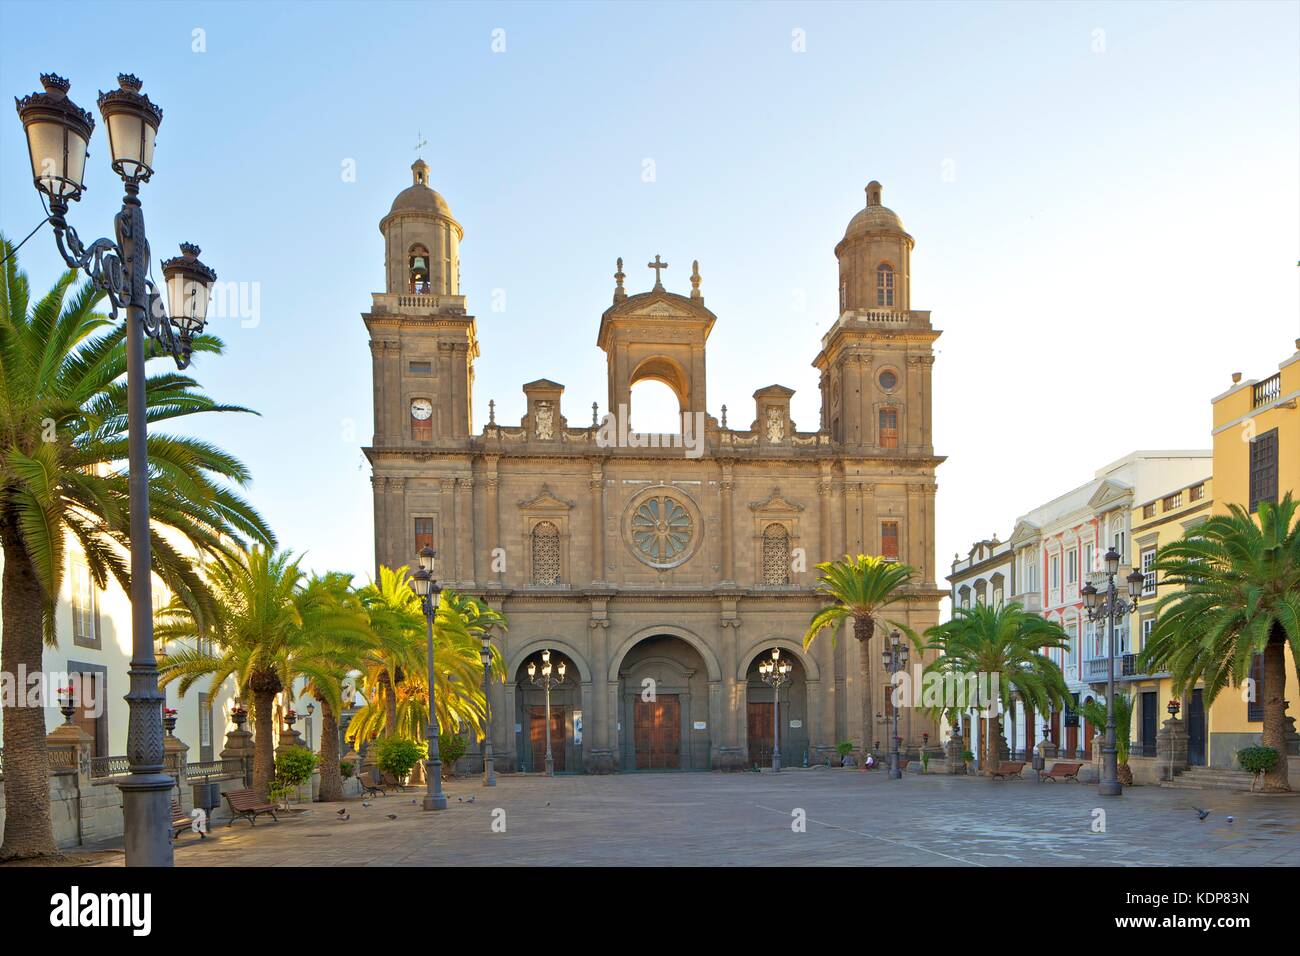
x: 776, y: 555
x: 546, y: 553
x: 964, y: 596
x: 999, y: 586
x: 884, y: 284
x: 418, y: 262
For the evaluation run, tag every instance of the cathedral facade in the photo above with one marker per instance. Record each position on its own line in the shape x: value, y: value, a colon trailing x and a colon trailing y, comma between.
x: 660, y: 570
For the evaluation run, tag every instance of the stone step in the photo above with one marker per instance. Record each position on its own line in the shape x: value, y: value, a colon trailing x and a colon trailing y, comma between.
x: 1210, y: 778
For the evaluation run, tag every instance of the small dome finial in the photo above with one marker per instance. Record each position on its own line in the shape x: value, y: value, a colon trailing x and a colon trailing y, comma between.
x: 873, y: 193
x: 695, y: 279
x: 420, y: 173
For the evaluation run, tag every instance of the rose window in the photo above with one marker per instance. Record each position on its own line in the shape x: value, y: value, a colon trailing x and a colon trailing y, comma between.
x: 662, y: 530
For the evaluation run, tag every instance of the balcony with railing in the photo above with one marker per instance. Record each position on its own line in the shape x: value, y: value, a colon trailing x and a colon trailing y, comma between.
x: 1266, y: 391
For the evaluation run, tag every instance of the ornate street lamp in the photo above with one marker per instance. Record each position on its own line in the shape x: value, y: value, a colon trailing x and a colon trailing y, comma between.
x: 894, y: 658
x: 547, y: 679
x: 1110, y: 606
x: 775, y: 674
x: 425, y: 584
x: 489, y: 762
x: 58, y: 134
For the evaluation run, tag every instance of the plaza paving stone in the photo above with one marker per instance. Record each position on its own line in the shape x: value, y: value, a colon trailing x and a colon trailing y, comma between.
x: 685, y: 819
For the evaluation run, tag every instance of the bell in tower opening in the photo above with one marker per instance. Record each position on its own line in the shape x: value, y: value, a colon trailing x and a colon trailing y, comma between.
x: 422, y: 240
x: 419, y: 271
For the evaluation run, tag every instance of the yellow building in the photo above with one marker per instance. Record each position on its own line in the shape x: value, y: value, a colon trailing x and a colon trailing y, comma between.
x: 1256, y: 458
x: 1154, y: 524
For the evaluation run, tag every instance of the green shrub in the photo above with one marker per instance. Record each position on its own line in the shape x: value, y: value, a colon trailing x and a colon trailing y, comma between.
x: 345, y: 769
x: 968, y: 756
x: 294, y: 767
x: 398, y: 756
x: 844, y: 748
x: 450, y: 749
x: 1257, y: 759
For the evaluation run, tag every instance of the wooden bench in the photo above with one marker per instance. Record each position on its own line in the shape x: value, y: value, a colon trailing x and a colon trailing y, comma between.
x: 181, y: 821
x: 1061, y: 771
x: 1009, y: 770
x: 250, y: 805
x: 377, y: 784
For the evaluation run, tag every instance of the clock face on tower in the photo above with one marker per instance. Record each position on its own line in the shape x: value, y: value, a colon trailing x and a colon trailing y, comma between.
x: 421, y: 409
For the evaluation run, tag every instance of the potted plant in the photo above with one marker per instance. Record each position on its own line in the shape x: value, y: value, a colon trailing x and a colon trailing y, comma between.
x: 1258, y: 761
x: 968, y: 757
x: 169, y: 720
x: 844, y: 748
x: 293, y: 768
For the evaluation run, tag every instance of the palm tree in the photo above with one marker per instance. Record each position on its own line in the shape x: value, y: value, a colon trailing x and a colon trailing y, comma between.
x: 63, y: 422
x: 270, y: 632
x: 1095, y: 713
x: 398, y: 626
x: 396, y: 679
x: 336, y: 639
x: 1239, y: 596
x: 860, y: 587
x: 1004, y: 643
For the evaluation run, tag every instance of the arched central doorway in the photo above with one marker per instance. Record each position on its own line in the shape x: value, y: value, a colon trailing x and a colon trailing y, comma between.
x: 663, y: 695
x: 761, y: 723
x: 530, y: 708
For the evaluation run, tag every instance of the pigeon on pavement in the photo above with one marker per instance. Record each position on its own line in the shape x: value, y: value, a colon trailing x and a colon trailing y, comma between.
x: 1201, y: 814
x: 392, y: 816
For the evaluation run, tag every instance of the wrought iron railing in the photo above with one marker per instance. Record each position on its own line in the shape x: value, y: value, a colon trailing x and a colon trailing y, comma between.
x: 118, y: 766
x: 1269, y: 390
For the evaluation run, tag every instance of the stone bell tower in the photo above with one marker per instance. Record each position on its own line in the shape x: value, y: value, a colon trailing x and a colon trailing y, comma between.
x: 423, y: 344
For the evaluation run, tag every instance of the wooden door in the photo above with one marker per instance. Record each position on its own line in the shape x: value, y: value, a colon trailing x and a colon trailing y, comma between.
x: 1071, y: 740
x: 91, y: 700
x: 537, y: 736
x: 760, y: 733
x: 1196, y: 730
x: 1147, y: 740
x: 657, y: 733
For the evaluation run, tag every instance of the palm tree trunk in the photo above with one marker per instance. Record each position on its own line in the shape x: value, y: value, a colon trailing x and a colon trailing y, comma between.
x: 331, y: 778
x: 390, y: 701
x: 1275, y: 781
x: 863, y: 627
x: 263, y: 746
x: 28, y: 830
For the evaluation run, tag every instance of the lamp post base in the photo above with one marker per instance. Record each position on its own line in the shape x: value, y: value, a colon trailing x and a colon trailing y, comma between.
x: 550, y: 766
x: 776, y: 761
x: 435, y: 802
x: 1110, y: 788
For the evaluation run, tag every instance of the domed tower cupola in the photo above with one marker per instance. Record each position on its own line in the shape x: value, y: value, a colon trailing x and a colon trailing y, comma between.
x: 421, y: 240
x: 875, y: 257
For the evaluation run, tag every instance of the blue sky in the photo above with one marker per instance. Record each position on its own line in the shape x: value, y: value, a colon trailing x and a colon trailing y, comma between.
x: 1103, y: 196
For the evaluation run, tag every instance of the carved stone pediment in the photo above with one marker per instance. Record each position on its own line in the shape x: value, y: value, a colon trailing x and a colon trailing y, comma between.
x: 775, y: 503
x: 1109, y: 495
x: 1024, y: 533
x: 546, y: 501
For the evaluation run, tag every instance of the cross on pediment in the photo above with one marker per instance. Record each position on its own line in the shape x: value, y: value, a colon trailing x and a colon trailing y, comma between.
x: 657, y: 266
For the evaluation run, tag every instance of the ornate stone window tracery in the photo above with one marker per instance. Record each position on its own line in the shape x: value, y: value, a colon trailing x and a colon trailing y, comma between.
x: 546, y: 553
x: 776, y: 554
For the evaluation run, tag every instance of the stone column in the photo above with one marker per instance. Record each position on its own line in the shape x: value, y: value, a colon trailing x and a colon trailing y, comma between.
x: 447, y: 570
x: 507, y: 757
x: 727, y: 487
x: 730, y: 753
x: 240, y: 746
x: 952, y: 752
x: 1171, y: 748
x: 465, y: 550
x: 492, y: 518
x: 602, y: 720
x: 398, y: 534
x: 446, y: 389
x: 596, y: 485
